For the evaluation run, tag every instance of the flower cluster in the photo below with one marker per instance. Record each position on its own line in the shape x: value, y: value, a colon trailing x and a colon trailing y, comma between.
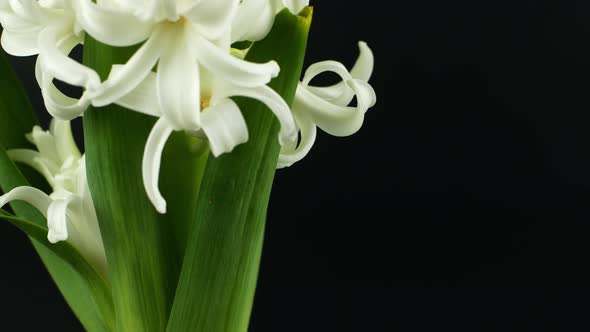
x: 190, y: 44
x: 69, y: 208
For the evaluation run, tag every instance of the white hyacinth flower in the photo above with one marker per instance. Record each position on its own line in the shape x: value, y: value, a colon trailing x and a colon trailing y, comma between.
x: 48, y: 28
x: 69, y: 209
x: 327, y: 107
x: 196, y: 74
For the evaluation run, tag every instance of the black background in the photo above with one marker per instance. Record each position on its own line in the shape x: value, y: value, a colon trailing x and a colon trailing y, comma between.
x: 462, y: 204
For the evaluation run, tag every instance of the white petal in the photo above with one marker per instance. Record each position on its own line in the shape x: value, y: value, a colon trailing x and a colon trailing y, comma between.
x: 341, y: 93
x: 178, y: 83
x: 58, y: 104
x: 335, y: 119
x: 244, y: 28
x: 213, y: 18
x: 111, y: 27
x: 236, y: 71
x: 20, y: 43
x: 13, y: 22
x: 152, y: 158
x: 143, y: 98
x: 365, y: 63
x: 273, y: 101
x: 319, y: 68
x: 33, y: 196
x: 150, y: 10
x: 224, y: 126
x: 64, y: 140
x: 308, y: 135
x: 45, y: 143
x: 295, y: 6
x: 32, y: 11
x: 131, y: 74
x: 56, y: 4
x: 54, y: 47
x: 365, y: 95
x: 57, y: 219
x: 32, y: 158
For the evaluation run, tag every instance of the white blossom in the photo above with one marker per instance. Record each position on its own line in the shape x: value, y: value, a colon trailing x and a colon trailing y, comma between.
x: 49, y: 28
x: 327, y: 107
x: 184, y: 71
x: 69, y: 209
x: 195, y: 78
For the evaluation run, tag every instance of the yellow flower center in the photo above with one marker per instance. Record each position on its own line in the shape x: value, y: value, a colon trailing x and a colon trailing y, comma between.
x: 205, y: 103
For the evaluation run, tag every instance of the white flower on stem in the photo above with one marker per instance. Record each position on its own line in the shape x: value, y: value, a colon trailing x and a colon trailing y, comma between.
x: 327, y: 107
x: 48, y: 28
x: 196, y: 74
x: 69, y: 209
x: 222, y: 123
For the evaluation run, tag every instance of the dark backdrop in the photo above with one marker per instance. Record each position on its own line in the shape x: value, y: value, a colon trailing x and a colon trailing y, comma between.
x: 462, y: 204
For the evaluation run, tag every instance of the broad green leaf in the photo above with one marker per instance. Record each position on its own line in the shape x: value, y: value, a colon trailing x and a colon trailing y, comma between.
x: 219, y: 272
x: 144, y: 249
x: 16, y: 119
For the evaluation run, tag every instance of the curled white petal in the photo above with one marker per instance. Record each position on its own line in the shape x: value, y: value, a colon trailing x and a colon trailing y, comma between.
x: 33, y: 196
x: 341, y: 93
x: 131, y: 74
x: 335, y: 119
x: 274, y: 102
x: 365, y: 63
x: 57, y: 63
x: 54, y: 62
x: 297, y: 151
x: 57, y: 219
x: 152, y: 158
x: 234, y: 70
x: 224, y: 126
x: 57, y: 103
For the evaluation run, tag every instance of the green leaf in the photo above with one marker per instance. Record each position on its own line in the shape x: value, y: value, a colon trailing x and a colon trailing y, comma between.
x: 16, y: 113
x: 16, y: 119
x: 82, y: 287
x: 144, y: 248
x: 64, y: 250
x: 218, y: 279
